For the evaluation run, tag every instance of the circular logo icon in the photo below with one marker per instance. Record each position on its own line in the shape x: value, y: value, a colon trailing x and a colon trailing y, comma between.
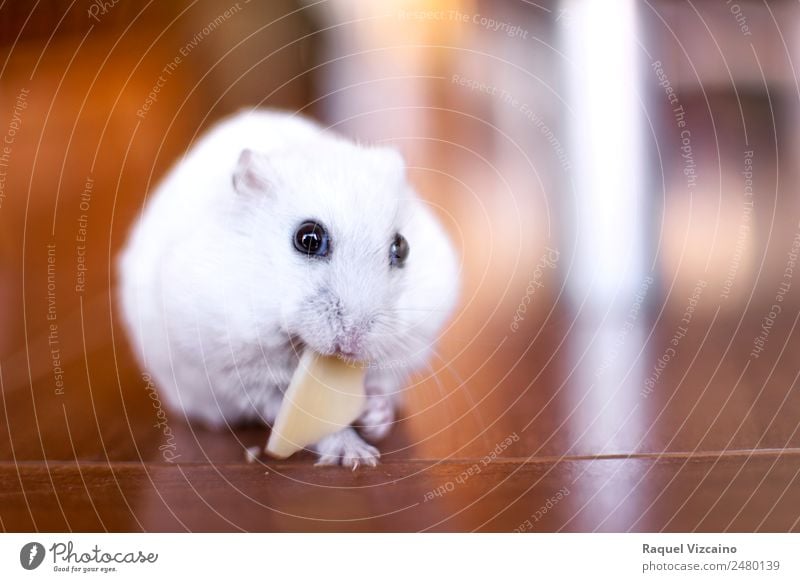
x: 31, y: 555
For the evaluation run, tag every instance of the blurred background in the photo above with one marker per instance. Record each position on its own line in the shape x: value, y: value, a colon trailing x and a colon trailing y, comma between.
x: 619, y: 177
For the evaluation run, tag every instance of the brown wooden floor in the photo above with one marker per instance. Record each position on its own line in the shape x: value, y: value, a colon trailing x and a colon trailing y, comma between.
x: 714, y: 446
x: 707, y: 492
x: 706, y: 451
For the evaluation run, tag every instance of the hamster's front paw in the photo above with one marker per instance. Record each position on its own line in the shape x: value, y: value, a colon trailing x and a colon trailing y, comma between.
x: 346, y: 448
x: 377, y: 418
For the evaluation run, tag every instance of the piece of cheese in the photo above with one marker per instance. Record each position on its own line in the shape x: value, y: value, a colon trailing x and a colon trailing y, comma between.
x: 325, y: 395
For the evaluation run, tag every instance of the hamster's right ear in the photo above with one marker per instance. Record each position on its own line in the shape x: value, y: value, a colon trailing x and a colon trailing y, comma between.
x: 254, y: 175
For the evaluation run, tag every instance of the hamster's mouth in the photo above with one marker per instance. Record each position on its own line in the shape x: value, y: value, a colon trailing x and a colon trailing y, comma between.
x: 298, y: 345
x: 337, y: 351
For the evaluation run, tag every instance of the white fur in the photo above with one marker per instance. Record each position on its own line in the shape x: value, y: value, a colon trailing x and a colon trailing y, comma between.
x: 217, y: 301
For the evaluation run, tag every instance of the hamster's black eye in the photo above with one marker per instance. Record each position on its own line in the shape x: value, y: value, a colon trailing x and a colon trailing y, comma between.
x: 398, y: 252
x: 311, y: 239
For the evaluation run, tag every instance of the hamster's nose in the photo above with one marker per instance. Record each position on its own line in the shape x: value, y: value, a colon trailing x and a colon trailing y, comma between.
x: 348, y: 343
x: 351, y: 336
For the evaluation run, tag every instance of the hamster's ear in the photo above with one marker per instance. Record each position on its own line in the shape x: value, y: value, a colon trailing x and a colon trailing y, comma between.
x: 253, y: 175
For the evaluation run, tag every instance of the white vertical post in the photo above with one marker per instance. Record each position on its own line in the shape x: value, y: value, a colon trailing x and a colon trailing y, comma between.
x: 604, y: 129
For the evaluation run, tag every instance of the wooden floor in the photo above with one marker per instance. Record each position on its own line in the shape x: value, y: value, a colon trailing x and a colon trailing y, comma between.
x: 514, y: 443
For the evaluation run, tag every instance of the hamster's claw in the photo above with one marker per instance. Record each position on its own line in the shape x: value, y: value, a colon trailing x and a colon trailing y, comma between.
x: 348, y: 449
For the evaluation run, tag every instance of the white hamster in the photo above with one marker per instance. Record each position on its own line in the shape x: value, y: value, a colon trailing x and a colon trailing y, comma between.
x: 272, y: 234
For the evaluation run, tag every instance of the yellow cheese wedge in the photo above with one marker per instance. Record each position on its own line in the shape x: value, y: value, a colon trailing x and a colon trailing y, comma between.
x: 325, y: 395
